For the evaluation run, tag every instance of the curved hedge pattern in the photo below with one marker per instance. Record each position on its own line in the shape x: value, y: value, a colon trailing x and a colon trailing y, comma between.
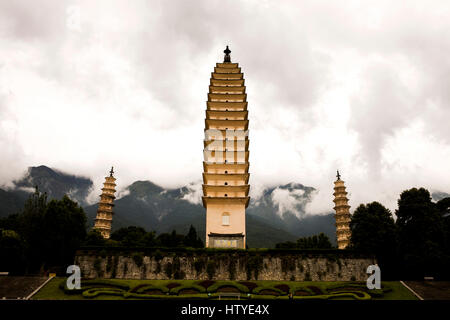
x: 193, y: 290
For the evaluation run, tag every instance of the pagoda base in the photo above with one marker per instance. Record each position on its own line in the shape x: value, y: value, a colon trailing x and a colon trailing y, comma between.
x: 224, y: 240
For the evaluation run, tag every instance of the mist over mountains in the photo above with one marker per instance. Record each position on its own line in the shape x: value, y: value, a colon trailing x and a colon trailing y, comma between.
x: 278, y: 215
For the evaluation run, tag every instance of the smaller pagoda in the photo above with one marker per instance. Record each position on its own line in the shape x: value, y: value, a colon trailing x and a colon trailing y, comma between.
x: 342, y: 213
x: 103, y: 220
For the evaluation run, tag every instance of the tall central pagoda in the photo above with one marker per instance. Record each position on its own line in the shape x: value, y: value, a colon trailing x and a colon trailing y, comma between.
x: 225, y: 166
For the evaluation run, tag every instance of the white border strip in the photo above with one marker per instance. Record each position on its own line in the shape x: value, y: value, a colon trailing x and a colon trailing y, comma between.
x: 416, y: 294
x: 39, y: 288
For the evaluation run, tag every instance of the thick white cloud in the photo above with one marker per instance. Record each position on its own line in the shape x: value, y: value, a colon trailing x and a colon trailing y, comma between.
x: 360, y: 87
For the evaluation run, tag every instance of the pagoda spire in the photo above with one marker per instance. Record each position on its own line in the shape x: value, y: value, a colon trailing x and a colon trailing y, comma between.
x: 226, y: 153
x: 103, y: 220
x: 342, y: 215
x: 227, y: 57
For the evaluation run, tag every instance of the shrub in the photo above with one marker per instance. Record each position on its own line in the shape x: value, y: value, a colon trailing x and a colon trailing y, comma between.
x: 283, y: 287
x: 168, y: 269
x: 232, y: 268
x: 254, y: 264
x: 266, y: 289
x: 199, y: 265
x: 138, y: 258
x: 158, y: 255
x: 148, y: 287
x: 294, y: 290
x: 194, y: 287
x: 98, y: 265
x: 173, y: 285
x: 211, y: 269
x: 220, y: 284
x: 206, y: 283
x: 249, y: 285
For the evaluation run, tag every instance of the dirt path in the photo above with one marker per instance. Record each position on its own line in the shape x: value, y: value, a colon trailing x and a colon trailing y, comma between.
x: 19, y: 287
x: 431, y: 290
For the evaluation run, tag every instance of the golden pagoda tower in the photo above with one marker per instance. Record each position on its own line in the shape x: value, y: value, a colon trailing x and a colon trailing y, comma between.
x: 103, y: 220
x: 225, y: 166
x: 342, y: 213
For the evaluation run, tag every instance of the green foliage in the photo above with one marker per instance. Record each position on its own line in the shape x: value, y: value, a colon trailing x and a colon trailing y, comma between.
x: 211, y: 269
x: 221, y: 284
x: 192, y: 240
x: 254, y: 264
x: 199, y: 264
x: 320, y: 241
x: 49, y: 233
x: 287, y: 264
x: 373, y: 230
x: 158, y: 255
x: 195, y: 287
x: 94, y: 238
x: 421, y: 235
x: 307, y: 276
x: 130, y: 237
x: 168, y: 269
x: 147, y: 287
x: 231, y: 268
x: 272, y: 288
x: 98, y: 266
x: 12, y: 251
x: 138, y: 258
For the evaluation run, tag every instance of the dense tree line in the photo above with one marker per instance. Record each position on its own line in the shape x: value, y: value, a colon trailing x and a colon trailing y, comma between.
x: 415, y: 245
x: 137, y: 237
x: 320, y: 241
x: 46, y: 234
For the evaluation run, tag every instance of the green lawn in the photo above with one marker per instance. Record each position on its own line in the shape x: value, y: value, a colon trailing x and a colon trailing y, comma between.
x: 117, y: 289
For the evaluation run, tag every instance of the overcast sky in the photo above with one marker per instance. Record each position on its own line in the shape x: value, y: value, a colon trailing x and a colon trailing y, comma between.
x: 359, y: 86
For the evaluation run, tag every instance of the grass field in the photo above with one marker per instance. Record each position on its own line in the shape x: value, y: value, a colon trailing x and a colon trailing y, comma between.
x: 117, y: 289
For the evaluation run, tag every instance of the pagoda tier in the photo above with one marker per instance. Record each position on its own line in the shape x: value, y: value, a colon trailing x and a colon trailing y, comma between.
x: 226, y: 155
x: 103, y: 220
x: 342, y: 215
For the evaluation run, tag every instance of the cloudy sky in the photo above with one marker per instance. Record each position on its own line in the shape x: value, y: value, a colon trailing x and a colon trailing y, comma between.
x: 359, y: 86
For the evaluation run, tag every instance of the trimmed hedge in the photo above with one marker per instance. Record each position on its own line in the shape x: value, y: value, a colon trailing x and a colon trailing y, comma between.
x: 259, y: 289
x: 195, y: 287
x: 301, y: 288
x: 221, y: 284
x: 152, y: 287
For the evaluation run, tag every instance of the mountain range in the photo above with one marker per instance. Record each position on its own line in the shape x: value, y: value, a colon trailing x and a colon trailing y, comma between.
x: 278, y: 215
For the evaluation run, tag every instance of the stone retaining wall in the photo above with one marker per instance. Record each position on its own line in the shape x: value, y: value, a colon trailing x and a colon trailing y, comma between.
x: 224, y: 266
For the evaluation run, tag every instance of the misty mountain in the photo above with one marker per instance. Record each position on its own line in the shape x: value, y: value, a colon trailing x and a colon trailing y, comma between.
x: 438, y: 195
x: 278, y: 215
x: 56, y: 184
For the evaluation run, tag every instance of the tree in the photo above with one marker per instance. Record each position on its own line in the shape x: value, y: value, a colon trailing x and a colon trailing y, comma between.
x: 12, y: 252
x: 421, y: 234
x: 373, y: 230
x: 64, y: 230
x: 170, y: 240
x: 130, y: 236
x: 192, y: 240
x: 94, y: 238
x: 31, y: 226
x: 320, y: 241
